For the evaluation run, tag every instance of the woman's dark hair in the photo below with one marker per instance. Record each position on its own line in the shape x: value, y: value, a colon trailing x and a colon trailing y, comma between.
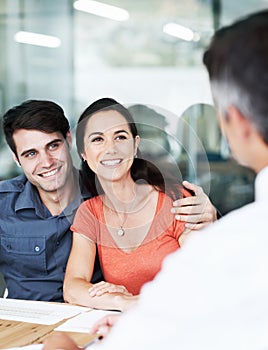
x: 42, y: 115
x: 142, y: 171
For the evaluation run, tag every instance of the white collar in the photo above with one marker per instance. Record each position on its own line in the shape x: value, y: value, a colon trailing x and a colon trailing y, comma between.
x: 261, y: 185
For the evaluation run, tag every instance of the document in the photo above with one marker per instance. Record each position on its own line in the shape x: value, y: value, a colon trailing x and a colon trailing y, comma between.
x: 40, y: 312
x: 83, y: 322
x: 28, y: 347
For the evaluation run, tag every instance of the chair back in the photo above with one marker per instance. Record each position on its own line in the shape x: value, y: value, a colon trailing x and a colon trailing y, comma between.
x: 3, y: 289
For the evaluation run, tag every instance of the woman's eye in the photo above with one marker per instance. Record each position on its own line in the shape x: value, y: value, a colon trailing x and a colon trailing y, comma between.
x: 97, y: 139
x: 121, y: 137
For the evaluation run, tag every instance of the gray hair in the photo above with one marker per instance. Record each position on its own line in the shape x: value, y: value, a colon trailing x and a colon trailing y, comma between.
x: 237, y: 63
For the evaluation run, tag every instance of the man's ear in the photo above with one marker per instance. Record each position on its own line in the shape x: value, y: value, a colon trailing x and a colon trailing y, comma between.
x: 16, y: 160
x: 239, y: 122
x: 69, y: 138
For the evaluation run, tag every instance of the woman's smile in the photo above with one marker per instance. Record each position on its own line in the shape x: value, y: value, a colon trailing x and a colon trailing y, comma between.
x: 111, y: 163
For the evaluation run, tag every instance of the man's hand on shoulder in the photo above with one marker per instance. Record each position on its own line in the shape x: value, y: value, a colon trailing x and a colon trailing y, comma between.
x: 196, y: 211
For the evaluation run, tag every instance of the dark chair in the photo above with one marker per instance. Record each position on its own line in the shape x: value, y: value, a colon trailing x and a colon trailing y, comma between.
x: 3, y: 290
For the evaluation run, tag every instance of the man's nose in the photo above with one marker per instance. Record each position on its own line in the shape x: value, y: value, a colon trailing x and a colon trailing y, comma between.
x: 46, y: 160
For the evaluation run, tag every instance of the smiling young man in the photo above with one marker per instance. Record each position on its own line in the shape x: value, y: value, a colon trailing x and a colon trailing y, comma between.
x: 38, y: 207
x: 46, y: 161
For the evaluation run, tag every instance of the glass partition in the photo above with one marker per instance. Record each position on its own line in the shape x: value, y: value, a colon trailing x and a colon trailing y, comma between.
x: 150, y: 55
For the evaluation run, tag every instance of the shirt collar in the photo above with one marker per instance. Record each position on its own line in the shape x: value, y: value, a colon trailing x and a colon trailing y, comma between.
x: 261, y: 185
x: 30, y: 199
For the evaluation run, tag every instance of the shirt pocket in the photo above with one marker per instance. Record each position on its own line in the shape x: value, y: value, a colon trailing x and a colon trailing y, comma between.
x: 25, y: 254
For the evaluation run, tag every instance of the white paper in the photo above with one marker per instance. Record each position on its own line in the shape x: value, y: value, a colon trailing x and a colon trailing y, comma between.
x: 83, y: 322
x: 37, y: 311
x: 28, y: 347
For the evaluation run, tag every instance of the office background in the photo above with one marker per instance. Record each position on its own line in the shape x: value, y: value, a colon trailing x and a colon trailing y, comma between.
x: 148, y: 56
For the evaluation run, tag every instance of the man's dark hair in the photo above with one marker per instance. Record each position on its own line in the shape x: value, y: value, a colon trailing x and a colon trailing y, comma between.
x: 45, y: 116
x: 237, y: 63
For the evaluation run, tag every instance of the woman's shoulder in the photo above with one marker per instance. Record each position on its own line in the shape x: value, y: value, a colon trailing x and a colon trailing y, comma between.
x: 177, y: 191
x: 92, y: 204
x: 186, y: 193
x: 94, y: 200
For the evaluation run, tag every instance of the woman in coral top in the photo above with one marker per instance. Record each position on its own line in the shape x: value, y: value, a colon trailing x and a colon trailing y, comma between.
x: 128, y: 222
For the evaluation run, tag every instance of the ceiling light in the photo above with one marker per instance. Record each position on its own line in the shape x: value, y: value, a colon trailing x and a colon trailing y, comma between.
x: 37, y: 39
x: 179, y: 31
x: 100, y: 9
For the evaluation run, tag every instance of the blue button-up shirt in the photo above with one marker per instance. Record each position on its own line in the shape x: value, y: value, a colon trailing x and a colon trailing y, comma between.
x: 34, y: 245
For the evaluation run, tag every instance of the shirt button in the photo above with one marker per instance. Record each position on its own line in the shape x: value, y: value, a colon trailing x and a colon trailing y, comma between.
x: 37, y: 248
x: 58, y: 243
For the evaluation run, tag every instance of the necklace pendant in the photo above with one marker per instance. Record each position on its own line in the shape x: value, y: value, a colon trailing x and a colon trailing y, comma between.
x: 120, y: 232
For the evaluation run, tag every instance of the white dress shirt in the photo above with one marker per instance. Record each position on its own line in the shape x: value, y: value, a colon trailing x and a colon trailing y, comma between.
x: 212, y: 294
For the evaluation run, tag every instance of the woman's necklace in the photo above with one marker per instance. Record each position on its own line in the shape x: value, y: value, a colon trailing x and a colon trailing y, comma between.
x: 122, y: 216
x: 121, y: 231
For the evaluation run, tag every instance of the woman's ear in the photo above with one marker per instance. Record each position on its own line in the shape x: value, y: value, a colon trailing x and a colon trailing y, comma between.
x: 83, y: 157
x: 136, y: 145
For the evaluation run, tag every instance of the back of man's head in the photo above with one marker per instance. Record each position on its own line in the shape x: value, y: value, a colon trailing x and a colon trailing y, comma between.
x: 237, y: 63
x: 41, y: 115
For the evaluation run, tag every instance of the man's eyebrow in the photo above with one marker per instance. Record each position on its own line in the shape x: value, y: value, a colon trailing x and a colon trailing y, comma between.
x: 27, y: 151
x: 54, y: 141
x: 34, y: 150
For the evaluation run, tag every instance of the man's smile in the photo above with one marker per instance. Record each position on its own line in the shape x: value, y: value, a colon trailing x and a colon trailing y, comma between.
x: 49, y: 173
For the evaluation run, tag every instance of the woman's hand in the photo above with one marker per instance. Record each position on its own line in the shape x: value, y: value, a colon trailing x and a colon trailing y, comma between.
x: 196, y: 211
x: 102, y: 287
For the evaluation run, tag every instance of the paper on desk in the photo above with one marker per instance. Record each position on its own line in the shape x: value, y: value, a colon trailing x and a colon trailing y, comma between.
x: 83, y: 322
x: 37, y: 311
x: 28, y: 347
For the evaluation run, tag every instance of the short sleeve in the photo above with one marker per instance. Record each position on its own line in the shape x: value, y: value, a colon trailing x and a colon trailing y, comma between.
x: 165, y: 222
x: 179, y: 226
x: 85, y: 222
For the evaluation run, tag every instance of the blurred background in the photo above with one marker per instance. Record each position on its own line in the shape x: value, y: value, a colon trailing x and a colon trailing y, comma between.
x: 146, y: 54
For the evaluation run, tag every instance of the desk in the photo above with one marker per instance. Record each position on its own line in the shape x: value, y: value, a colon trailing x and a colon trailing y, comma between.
x: 14, y: 334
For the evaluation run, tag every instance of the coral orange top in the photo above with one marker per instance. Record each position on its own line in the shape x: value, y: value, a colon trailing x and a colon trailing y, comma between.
x: 131, y: 269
